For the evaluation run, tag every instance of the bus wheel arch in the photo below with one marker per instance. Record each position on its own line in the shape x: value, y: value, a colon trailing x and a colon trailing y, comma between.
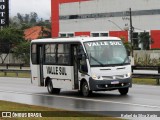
x: 84, y: 88
x: 47, y: 81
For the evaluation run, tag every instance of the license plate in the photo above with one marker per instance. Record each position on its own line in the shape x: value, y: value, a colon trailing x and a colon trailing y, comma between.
x: 115, y: 82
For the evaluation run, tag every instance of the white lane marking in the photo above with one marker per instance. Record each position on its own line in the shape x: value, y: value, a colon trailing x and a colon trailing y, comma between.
x: 85, y: 99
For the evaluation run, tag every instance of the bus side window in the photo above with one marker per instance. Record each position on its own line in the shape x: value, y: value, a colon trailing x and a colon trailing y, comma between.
x: 63, y: 53
x: 66, y: 58
x: 50, y: 53
x: 83, y: 66
x: 60, y: 59
x: 34, y: 54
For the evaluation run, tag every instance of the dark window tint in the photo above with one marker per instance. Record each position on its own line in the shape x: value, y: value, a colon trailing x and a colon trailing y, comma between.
x: 50, y: 53
x: 63, y: 53
x: 34, y: 54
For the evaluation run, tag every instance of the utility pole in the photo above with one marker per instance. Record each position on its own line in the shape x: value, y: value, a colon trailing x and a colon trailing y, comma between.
x: 131, y: 31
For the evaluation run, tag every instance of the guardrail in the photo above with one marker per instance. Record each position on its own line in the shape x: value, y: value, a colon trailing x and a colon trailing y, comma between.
x: 5, y: 71
x: 20, y: 66
x: 152, y: 72
x: 14, y: 68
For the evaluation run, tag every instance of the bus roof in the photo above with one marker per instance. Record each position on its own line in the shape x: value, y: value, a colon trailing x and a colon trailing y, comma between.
x: 73, y: 39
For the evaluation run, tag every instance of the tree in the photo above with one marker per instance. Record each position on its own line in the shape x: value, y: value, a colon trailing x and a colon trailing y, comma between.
x: 11, y: 35
x: 145, y: 40
x: 20, y: 17
x: 9, y: 38
x: 22, y: 51
x: 33, y: 17
x: 26, y: 18
x: 45, y: 23
x: 126, y: 44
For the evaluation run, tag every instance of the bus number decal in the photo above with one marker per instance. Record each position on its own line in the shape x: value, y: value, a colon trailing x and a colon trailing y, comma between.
x: 56, y: 70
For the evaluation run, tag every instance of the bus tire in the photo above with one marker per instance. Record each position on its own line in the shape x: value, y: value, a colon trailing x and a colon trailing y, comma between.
x: 85, y: 89
x: 56, y: 90
x: 123, y: 91
x: 52, y: 90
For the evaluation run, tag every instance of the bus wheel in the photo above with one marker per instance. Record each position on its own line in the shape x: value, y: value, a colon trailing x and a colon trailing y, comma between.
x: 123, y: 91
x: 85, y: 90
x: 50, y: 87
x: 52, y: 90
x: 56, y: 90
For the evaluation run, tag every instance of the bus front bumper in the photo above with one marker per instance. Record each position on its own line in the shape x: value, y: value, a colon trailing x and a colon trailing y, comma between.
x: 104, y: 85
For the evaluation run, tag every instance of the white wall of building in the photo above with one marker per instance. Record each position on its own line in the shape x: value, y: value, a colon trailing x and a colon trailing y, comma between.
x: 100, y: 6
x: 142, y: 22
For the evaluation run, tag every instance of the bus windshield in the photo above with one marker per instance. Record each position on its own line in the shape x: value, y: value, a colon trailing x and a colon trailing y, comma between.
x: 106, y: 53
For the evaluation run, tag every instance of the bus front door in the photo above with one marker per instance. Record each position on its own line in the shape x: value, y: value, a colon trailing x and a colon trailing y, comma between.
x: 40, y: 64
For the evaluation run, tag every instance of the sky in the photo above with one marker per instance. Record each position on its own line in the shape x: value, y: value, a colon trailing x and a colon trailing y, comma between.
x: 41, y: 7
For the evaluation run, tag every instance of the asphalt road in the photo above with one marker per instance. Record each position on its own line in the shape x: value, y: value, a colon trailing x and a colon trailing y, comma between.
x: 139, y: 98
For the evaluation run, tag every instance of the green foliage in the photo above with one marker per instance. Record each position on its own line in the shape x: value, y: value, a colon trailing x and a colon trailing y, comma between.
x: 126, y: 44
x: 11, y: 35
x: 28, y: 20
x: 45, y: 23
x: 12, y: 40
x: 45, y: 33
x: 25, y: 26
x: 145, y: 39
x: 22, y: 51
x: 144, y: 81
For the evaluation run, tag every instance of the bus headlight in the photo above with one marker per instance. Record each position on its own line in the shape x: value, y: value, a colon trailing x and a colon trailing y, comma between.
x: 95, y: 77
x: 129, y: 74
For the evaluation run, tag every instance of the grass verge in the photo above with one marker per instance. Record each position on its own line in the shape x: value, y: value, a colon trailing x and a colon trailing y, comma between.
x: 144, y: 81
x: 15, y: 107
x: 20, y: 75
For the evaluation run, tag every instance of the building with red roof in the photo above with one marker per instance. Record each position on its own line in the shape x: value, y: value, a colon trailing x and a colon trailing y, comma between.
x: 36, y: 32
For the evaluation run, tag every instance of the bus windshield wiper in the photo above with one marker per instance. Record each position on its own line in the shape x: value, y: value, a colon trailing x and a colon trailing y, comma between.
x: 97, y: 60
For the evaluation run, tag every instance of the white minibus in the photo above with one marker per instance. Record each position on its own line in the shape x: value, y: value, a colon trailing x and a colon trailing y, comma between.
x: 83, y: 63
